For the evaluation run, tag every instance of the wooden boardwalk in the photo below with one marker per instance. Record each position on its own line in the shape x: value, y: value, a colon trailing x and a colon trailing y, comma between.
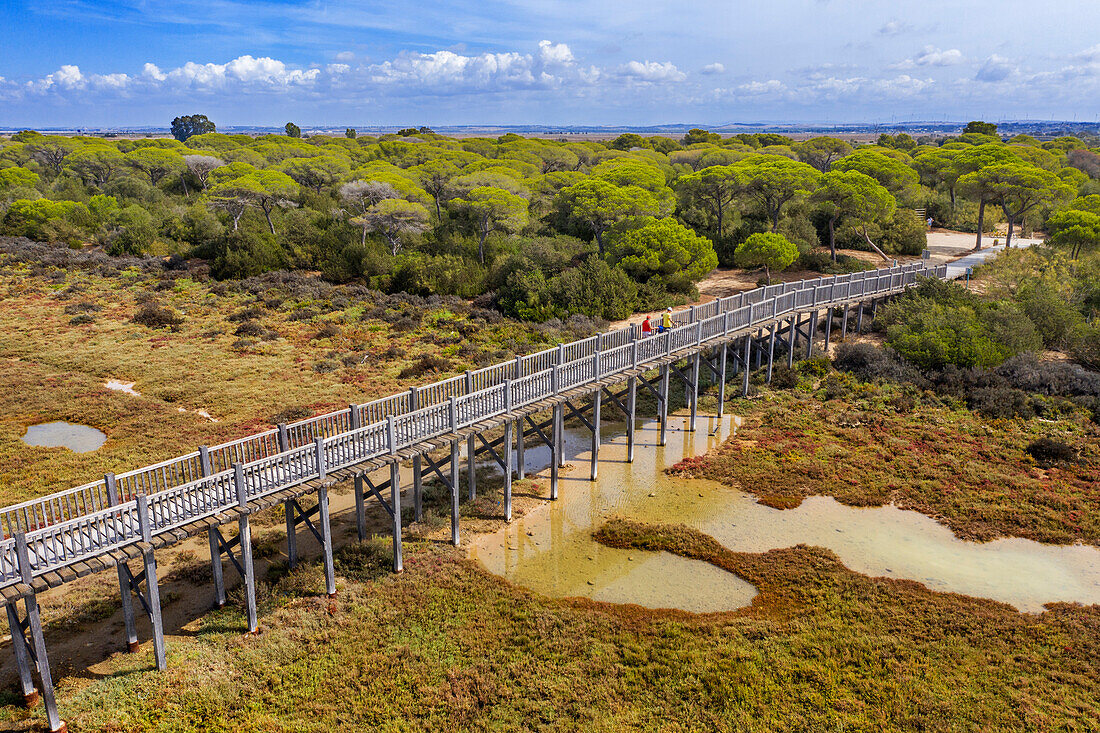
x: 124, y: 518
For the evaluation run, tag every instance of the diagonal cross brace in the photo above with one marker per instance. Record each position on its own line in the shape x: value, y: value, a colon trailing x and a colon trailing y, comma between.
x: 226, y: 548
x: 579, y: 414
x: 375, y: 491
x: 302, y: 517
x: 492, y: 451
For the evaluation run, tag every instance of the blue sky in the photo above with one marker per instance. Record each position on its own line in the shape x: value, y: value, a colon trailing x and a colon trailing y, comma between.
x: 141, y: 62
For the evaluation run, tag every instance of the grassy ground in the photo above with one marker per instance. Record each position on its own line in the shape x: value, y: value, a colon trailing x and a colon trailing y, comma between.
x: 445, y: 646
x: 874, y: 444
x: 246, y: 354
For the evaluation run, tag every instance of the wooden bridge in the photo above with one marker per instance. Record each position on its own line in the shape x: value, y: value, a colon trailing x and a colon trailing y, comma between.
x: 124, y: 518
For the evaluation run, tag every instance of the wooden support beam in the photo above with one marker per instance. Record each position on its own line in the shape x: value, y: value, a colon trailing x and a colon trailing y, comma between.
x: 555, y: 449
x: 723, y: 357
x: 244, y: 536
x: 596, y: 395
x: 631, y: 421
x: 859, y: 317
x: 662, y: 403
x: 508, y: 458
x: 326, y: 540
x: 828, y: 327
x: 791, y: 341
x: 216, y: 567
x: 771, y: 351
x: 37, y: 648
x: 291, y: 535
x: 395, y: 503
x: 811, y: 334
x: 745, y: 374
x: 360, y: 508
x: 22, y: 657
x: 418, y: 490
x: 694, y: 391
x: 844, y: 323
x: 152, y: 589
x: 521, y: 468
x: 471, y: 466
x: 454, y: 493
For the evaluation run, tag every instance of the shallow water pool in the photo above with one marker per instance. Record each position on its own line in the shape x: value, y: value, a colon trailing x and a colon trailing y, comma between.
x: 60, y: 434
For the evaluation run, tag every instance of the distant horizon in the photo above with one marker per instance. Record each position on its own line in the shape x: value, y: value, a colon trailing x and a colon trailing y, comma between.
x: 826, y: 62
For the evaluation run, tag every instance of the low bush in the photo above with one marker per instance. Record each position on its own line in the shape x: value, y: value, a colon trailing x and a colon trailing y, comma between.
x: 870, y: 363
x: 155, y: 316
x: 426, y: 364
x: 1049, y: 452
x: 1002, y: 403
x: 783, y: 377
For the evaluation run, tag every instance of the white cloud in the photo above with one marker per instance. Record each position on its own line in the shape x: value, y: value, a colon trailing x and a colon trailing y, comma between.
x: 652, y: 71
x: 996, y: 68
x: 68, y: 76
x: 337, y: 68
x: 152, y: 71
x: 894, y: 28
x: 715, y: 68
x: 555, y: 54
x: 762, y: 88
x: 931, y: 56
x: 345, y: 56
x: 111, y: 81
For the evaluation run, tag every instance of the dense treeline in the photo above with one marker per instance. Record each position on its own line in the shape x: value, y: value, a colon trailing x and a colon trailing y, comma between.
x: 539, y: 228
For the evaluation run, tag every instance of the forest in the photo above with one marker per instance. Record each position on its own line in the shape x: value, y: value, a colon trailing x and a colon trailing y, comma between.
x: 536, y: 228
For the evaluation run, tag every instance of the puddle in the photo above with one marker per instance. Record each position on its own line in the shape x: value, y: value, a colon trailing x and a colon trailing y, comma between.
x: 551, y: 549
x: 77, y: 438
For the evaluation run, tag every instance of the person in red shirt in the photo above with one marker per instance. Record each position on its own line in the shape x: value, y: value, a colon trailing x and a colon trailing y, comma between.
x: 647, y: 329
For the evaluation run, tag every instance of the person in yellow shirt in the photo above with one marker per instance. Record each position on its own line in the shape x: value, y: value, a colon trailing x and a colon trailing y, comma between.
x: 666, y: 320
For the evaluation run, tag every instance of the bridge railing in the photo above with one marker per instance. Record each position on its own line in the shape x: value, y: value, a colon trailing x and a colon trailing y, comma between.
x: 179, y: 492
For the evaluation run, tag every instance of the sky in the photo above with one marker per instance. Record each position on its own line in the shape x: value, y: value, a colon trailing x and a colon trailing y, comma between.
x: 96, y: 63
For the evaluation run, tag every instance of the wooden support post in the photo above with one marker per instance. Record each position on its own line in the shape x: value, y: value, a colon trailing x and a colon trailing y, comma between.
x: 152, y: 590
x: 723, y: 357
x: 395, y: 504
x: 326, y: 539
x: 745, y: 375
x: 508, y: 467
x: 758, y: 348
x: 216, y: 567
x: 844, y: 323
x: 828, y: 327
x: 471, y: 466
x: 771, y: 350
x: 418, y: 477
x: 555, y: 448
x: 244, y: 531
x: 360, y: 508
x: 874, y: 309
x: 813, y: 332
x: 124, y: 577
x: 454, y: 492
x: 38, y: 641
x: 631, y: 427
x: 859, y: 317
x: 791, y: 343
x: 22, y: 658
x: 521, y: 469
x: 207, y: 468
x: 596, y: 401
x: 291, y: 536
x: 663, y: 406
x: 694, y: 390
x: 418, y: 489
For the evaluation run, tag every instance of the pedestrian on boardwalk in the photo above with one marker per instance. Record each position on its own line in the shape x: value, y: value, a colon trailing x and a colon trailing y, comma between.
x: 647, y: 327
x: 666, y: 319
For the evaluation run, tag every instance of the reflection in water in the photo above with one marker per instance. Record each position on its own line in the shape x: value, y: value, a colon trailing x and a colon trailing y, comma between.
x: 551, y: 549
x: 77, y: 438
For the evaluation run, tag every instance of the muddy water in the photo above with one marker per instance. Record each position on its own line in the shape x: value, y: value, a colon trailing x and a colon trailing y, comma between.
x: 551, y: 549
x: 77, y: 438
